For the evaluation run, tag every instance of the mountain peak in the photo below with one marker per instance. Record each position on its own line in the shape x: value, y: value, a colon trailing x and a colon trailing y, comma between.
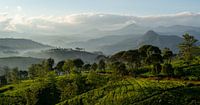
x: 151, y: 33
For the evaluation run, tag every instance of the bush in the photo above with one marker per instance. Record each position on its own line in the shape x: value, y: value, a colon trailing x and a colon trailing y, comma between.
x: 168, y: 70
x: 193, y: 78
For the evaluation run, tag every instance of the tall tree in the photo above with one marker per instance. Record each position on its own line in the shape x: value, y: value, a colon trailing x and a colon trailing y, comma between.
x: 186, y: 47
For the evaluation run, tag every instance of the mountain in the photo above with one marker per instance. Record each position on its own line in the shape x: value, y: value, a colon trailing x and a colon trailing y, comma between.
x: 95, y: 44
x: 21, y: 44
x: 150, y: 37
x: 15, y: 47
x: 21, y: 62
x: 179, y: 30
x: 64, y: 54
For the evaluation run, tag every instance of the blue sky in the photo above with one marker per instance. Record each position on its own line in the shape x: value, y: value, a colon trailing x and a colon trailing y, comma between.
x: 129, y: 7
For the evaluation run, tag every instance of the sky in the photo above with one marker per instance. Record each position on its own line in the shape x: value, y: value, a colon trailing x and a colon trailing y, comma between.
x: 62, y: 17
x: 128, y: 7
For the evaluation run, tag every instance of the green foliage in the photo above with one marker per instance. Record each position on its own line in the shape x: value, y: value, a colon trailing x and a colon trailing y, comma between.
x: 126, y: 92
x: 156, y: 69
x: 78, y: 63
x: 15, y: 76
x: 132, y: 57
x: 167, y: 55
x: 59, y: 66
x: 168, y: 70
x: 187, y: 46
x: 119, y: 68
x: 179, y: 72
x: 68, y: 66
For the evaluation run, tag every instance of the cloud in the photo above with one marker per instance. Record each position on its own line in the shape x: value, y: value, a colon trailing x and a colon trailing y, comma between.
x: 79, y: 23
x: 19, y: 8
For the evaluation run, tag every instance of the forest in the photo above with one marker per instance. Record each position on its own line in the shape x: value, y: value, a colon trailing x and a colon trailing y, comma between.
x: 144, y: 76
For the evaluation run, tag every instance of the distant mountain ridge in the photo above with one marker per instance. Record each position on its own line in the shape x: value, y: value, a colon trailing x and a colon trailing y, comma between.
x: 21, y: 44
x: 150, y: 37
x: 64, y: 54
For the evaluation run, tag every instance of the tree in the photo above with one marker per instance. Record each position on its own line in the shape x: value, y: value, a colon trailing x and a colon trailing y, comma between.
x: 186, y: 47
x: 15, y: 77
x: 119, y: 68
x: 157, y: 69
x: 132, y: 57
x: 154, y: 59
x: 7, y: 71
x: 59, y: 67
x: 36, y: 70
x: 94, y: 66
x: 117, y: 56
x: 48, y: 64
x: 102, y: 65
x: 167, y: 55
x: 147, y: 51
x: 68, y: 66
x: 87, y: 67
x: 23, y: 74
x: 78, y: 63
x: 168, y: 70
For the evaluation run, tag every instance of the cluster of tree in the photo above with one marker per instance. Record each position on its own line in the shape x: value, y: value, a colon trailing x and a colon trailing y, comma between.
x: 12, y: 76
x: 63, y: 67
x: 148, y: 55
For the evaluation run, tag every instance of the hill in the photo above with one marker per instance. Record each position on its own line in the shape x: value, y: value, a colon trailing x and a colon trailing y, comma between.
x: 128, y: 91
x: 21, y: 44
x: 179, y: 30
x: 63, y: 54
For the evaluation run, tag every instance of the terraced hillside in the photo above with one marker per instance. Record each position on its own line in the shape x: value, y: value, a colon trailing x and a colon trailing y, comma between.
x: 139, y: 92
